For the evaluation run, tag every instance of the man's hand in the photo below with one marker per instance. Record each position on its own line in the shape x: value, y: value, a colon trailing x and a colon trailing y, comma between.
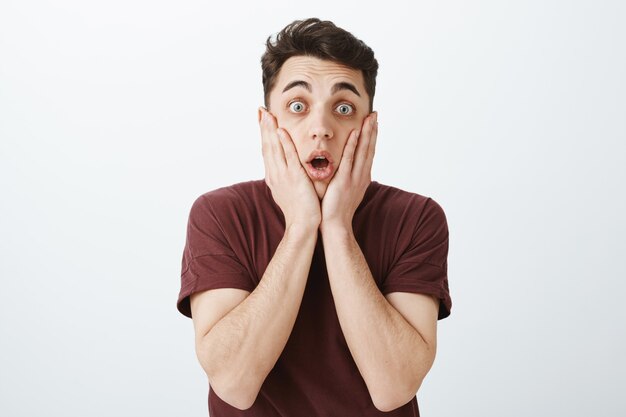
x: 345, y: 191
x: 291, y: 187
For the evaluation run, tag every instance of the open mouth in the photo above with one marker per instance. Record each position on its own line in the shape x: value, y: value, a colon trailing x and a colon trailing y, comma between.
x: 319, y: 162
x: 320, y: 165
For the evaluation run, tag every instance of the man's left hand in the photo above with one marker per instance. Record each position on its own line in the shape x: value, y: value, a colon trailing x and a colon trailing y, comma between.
x: 354, y: 174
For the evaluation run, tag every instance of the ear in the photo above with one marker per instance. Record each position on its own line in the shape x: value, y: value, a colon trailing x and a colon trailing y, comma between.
x: 260, y: 113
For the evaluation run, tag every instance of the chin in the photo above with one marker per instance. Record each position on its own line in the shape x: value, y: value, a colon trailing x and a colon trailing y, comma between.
x: 320, y: 188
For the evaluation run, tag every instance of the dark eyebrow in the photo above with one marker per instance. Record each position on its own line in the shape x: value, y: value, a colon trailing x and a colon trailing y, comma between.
x: 345, y: 86
x: 298, y: 83
x: 336, y: 88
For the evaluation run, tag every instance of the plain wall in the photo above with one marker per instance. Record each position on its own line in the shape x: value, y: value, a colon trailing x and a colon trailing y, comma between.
x: 115, y: 116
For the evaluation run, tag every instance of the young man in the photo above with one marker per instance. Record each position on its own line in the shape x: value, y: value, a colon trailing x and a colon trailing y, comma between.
x: 316, y: 291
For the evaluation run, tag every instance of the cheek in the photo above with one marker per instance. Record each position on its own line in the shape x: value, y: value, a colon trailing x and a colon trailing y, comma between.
x: 347, y: 129
x: 296, y: 135
x: 286, y: 122
x: 302, y: 147
x: 290, y: 124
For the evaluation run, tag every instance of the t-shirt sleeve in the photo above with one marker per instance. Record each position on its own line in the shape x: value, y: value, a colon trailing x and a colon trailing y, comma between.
x: 209, y: 262
x: 422, y: 266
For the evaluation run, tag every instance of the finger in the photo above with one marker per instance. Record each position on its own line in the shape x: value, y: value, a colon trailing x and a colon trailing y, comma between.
x: 347, y: 157
x: 270, y: 146
x: 364, y: 142
x: 271, y: 143
x: 260, y: 112
x: 278, y: 153
x: 371, y: 151
x: 263, y: 126
x: 264, y: 145
x: 266, y: 133
x: 289, y: 149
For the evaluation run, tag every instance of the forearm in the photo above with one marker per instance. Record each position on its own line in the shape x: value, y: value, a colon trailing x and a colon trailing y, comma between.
x: 390, y: 354
x: 242, y: 348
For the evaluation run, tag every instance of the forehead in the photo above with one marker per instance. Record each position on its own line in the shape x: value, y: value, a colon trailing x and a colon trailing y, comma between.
x: 317, y: 72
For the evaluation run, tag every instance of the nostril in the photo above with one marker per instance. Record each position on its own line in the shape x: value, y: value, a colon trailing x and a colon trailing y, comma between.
x: 321, y: 132
x: 325, y: 136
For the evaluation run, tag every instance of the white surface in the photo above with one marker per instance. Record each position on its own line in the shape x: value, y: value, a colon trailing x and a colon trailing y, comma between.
x: 115, y: 116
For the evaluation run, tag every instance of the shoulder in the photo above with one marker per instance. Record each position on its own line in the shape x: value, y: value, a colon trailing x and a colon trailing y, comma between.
x: 403, y: 204
x: 241, y: 194
x: 242, y: 190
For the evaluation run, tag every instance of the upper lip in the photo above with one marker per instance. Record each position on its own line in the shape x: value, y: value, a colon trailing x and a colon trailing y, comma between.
x: 319, y: 152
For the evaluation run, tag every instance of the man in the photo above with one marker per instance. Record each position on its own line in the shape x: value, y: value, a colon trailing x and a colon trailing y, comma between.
x: 316, y: 291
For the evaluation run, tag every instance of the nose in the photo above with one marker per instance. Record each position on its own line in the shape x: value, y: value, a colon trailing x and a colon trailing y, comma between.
x: 320, y: 126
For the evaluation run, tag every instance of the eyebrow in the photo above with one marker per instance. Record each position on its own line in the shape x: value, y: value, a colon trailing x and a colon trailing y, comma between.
x: 345, y: 86
x: 298, y: 83
x: 336, y: 88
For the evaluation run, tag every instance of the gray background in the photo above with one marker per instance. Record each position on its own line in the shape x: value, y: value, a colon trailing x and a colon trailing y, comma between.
x: 115, y: 116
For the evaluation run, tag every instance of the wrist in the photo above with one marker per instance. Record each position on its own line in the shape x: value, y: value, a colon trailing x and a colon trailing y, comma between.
x: 302, y: 228
x: 336, y: 227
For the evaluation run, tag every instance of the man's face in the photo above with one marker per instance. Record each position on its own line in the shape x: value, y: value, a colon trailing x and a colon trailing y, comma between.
x: 319, y: 103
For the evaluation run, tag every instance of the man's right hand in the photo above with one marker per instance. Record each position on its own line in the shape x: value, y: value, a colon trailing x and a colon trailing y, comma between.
x: 291, y: 187
x: 238, y: 362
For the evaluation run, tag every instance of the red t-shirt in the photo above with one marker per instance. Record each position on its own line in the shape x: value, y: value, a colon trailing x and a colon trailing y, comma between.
x: 232, y: 235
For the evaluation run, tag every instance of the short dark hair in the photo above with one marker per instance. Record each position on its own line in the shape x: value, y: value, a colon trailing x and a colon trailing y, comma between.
x: 323, y: 40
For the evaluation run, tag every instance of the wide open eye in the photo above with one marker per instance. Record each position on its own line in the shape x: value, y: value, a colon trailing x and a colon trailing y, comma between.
x: 296, y: 106
x: 345, y: 109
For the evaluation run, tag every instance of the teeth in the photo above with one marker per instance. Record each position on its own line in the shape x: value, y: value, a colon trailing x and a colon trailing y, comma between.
x: 319, y: 157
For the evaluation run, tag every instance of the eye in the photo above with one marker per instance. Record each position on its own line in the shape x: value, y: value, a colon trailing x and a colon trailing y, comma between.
x: 345, y: 109
x: 296, y: 106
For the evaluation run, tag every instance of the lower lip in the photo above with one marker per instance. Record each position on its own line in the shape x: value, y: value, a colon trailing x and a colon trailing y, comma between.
x: 320, y: 174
